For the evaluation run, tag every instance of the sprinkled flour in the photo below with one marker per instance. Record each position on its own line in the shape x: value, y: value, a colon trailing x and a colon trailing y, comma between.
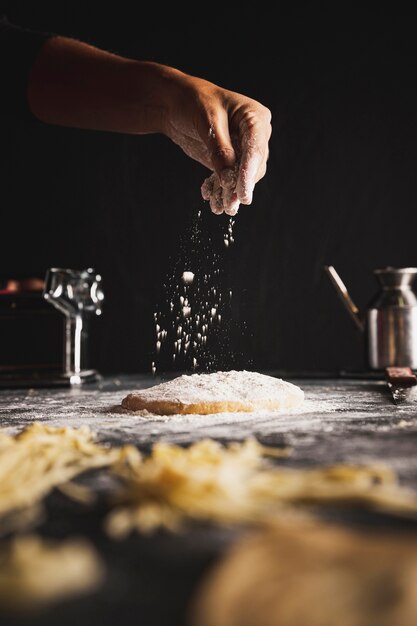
x: 194, y: 325
x: 217, y: 392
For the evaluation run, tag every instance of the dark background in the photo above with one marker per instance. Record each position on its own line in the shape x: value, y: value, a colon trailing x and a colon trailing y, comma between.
x: 341, y: 186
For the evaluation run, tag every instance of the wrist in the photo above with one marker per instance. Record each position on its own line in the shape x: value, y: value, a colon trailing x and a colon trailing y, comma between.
x: 158, y: 90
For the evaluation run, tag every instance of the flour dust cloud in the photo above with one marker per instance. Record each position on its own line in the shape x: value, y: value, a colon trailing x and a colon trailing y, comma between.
x: 194, y: 326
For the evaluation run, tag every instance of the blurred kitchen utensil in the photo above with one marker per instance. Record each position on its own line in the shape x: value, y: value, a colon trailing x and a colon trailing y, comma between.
x: 389, y: 323
x: 402, y: 383
x: 43, y: 345
x: 76, y: 294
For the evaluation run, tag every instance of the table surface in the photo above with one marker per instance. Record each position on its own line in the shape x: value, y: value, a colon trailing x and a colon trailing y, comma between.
x: 341, y: 420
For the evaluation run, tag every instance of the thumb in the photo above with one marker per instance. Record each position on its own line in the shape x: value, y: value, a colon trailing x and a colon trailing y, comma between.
x: 220, y: 148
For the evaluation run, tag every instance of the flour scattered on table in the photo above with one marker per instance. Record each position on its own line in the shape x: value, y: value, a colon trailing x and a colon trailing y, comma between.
x: 218, y: 392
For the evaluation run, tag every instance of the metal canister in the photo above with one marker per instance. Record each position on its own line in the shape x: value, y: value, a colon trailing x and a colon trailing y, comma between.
x: 391, y: 320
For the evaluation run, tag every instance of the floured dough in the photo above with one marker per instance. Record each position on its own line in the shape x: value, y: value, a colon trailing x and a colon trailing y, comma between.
x: 219, y: 392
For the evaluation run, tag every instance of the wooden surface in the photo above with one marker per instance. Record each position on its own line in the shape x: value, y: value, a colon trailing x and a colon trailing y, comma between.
x: 342, y: 420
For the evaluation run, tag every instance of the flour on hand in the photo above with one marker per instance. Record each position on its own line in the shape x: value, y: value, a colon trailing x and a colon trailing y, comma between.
x: 221, y: 194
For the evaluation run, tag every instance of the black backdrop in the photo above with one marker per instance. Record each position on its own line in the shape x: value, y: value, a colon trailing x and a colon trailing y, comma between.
x: 341, y: 186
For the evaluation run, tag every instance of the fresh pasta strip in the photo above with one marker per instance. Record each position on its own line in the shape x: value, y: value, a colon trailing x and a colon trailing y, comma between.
x: 237, y: 484
x: 207, y: 481
x: 35, y: 571
x: 41, y: 457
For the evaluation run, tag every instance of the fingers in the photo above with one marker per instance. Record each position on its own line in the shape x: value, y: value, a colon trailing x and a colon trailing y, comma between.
x: 211, y: 191
x: 237, y: 145
x: 254, y: 144
x: 252, y: 168
x: 207, y: 188
x: 235, y: 185
x: 219, y: 143
x: 220, y: 188
x: 231, y: 204
x: 221, y: 200
x: 239, y: 167
x: 223, y: 196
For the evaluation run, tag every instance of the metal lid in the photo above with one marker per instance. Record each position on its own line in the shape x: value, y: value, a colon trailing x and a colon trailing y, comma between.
x: 396, y: 277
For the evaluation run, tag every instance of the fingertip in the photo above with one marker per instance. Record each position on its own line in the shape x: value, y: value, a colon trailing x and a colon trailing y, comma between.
x: 231, y: 211
x: 247, y: 199
x: 246, y: 181
x: 216, y: 205
x: 228, y: 178
x: 231, y: 204
x: 207, y: 188
x: 220, y: 148
x: 244, y: 190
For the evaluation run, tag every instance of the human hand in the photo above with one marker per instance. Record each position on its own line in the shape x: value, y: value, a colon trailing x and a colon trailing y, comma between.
x: 77, y: 85
x: 225, y: 131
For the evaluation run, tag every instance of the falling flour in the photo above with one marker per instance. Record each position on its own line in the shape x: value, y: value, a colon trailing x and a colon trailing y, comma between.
x: 229, y: 238
x: 193, y: 319
x: 218, y: 392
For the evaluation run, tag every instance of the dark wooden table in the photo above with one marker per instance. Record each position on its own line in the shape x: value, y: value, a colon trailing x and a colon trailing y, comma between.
x: 151, y: 579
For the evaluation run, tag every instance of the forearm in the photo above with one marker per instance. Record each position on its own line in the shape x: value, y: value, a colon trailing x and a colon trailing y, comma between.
x: 77, y: 85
